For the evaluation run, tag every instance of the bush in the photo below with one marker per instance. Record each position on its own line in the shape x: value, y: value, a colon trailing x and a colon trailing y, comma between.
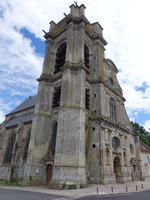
x: 30, y: 178
x: 12, y: 183
x: 73, y: 186
x: 81, y: 186
x: 63, y: 185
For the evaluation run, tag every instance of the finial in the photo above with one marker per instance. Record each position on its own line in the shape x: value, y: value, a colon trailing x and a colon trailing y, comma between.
x: 44, y: 31
x: 75, y: 3
x: 65, y: 14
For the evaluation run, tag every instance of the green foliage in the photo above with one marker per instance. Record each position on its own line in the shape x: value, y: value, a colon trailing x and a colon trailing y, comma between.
x: 30, y: 178
x: 81, y: 186
x: 88, y: 179
x: 143, y: 134
x: 63, y: 185
x: 12, y: 184
x: 73, y: 186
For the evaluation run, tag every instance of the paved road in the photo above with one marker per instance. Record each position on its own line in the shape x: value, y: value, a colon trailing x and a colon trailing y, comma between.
x: 7, y: 194
x: 145, y: 195
x: 25, y: 195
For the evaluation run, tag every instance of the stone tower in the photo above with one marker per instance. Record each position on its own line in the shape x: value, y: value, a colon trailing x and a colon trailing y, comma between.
x: 80, y: 130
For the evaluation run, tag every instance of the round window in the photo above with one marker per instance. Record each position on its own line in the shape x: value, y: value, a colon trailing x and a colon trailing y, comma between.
x: 115, y: 143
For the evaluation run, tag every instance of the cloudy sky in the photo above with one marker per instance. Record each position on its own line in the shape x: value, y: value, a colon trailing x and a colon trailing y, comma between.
x: 126, y: 29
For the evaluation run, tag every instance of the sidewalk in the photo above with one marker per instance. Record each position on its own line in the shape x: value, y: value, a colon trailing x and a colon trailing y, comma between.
x: 92, y: 190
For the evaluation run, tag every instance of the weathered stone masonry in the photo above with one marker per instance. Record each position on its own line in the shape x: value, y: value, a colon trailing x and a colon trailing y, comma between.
x: 80, y: 130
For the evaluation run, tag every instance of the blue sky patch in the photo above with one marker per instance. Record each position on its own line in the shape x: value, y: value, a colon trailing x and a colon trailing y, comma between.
x: 142, y: 117
x: 38, y: 44
x: 142, y: 88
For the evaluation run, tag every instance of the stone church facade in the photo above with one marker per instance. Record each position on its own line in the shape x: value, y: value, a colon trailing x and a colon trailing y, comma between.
x: 76, y: 129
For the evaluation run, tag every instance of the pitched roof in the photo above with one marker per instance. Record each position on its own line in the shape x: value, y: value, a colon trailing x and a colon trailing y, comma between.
x: 144, y: 148
x: 16, y: 120
x: 28, y: 103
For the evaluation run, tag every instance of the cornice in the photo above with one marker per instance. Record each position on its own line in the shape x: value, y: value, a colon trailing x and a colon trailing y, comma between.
x: 74, y: 66
x: 77, y: 20
x: 96, y: 37
x: 49, y: 78
x: 107, y: 123
x: 100, y: 81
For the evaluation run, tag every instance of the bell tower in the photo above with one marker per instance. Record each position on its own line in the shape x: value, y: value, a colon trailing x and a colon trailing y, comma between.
x: 73, y: 59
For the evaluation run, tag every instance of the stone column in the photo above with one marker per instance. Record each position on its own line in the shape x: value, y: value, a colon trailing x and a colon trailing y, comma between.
x: 69, y: 163
x: 48, y: 65
x: 98, y: 60
x: 70, y: 43
x: 102, y: 155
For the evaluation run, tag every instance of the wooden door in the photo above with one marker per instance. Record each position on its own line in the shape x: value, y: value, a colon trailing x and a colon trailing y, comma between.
x: 117, y: 169
x: 49, y: 171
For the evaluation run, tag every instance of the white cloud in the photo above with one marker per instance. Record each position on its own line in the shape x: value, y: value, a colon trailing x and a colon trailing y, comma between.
x: 20, y: 66
x: 147, y: 125
x: 5, y: 107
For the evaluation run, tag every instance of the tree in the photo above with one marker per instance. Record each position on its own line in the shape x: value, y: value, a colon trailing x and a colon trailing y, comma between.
x: 143, y: 134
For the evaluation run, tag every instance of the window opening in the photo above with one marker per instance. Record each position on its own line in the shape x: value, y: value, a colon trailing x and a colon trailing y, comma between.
x: 60, y: 57
x: 107, y: 155
x: 125, y: 158
x: 87, y: 98
x: 86, y: 57
x: 54, y: 138
x: 131, y: 149
x: 111, y: 81
x: 112, y: 107
x: 8, y: 154
x: 115, y: 143
x: 56, y: 97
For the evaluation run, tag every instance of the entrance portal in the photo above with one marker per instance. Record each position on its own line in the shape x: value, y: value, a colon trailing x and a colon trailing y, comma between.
x: 117, y: 169
x: 49, y: 171
x: 134, y: 173
x: 134, y: 169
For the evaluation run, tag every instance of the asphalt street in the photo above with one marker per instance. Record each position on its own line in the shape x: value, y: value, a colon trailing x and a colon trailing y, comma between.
x: 6, y: 194
x: 145, y: 195
x: 25, y: 195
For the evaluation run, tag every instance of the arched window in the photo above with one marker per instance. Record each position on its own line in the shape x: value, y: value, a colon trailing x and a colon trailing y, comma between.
x: 56, y: 96
x: 87, y: 98
x: 115, y: 143
x: 54, y: 138
x: 60, y: 57
x: 86, y: 57
x: 125, y: 158
x: 107, y: 155
x: 25, y: 154
x: 10, y: 145
x: 112, y: 108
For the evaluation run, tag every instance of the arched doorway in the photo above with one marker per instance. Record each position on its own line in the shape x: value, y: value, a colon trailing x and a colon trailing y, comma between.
x: 49, y: 172
x: 117, y: 169
x: 134, y: 173
x: 134, y: 169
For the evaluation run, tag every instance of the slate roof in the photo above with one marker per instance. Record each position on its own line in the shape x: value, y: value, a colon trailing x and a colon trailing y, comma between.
x: 144, y: 148
x: 28, y: 103
x: 16, y: 120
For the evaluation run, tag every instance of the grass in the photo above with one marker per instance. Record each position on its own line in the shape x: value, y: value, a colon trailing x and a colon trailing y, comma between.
x: 11, y: 184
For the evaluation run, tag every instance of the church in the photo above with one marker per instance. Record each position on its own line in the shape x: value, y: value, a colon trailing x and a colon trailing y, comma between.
x: 75, y: 130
